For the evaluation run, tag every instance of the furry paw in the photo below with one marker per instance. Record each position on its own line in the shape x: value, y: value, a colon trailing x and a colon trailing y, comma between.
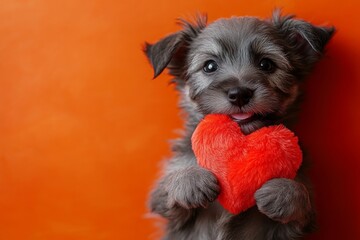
x: 192, y: 187
x: 283, y: 200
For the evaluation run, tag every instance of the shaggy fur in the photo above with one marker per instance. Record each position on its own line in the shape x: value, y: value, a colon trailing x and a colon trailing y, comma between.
x: 243, y: 163
x: 242, y: 66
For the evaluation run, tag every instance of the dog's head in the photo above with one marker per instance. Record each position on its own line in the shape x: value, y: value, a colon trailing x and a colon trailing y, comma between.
x: 248, y: 68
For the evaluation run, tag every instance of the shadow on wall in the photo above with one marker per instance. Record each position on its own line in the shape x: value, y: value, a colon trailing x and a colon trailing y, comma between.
x: 329, y: 132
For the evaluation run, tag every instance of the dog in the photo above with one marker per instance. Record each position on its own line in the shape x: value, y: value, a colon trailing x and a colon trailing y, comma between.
x: 252, y: 70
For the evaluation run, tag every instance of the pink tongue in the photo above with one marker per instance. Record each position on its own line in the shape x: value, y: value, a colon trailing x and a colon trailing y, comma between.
x: 241, y: 116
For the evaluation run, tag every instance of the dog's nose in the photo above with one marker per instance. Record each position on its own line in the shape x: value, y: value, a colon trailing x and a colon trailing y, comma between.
x: 240, y: 96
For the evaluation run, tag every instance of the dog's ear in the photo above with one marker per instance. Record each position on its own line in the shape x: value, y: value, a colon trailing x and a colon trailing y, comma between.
x: 171, y: 50
x: 160, y: 53
x: 303, y: 37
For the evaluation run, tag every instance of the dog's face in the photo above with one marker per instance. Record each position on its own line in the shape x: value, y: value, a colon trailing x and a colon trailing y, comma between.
x: 247, y: 68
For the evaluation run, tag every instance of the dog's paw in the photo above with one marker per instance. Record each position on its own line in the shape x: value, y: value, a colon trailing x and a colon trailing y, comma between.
x: 192, y: 187
x: 283, y: 200
x: 159, y: 204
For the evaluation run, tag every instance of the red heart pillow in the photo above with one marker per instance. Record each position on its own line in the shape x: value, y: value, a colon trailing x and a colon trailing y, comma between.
x: 243, y: 163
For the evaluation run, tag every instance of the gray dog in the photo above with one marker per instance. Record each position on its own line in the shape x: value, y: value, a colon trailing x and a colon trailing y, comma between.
x: 253, y: 71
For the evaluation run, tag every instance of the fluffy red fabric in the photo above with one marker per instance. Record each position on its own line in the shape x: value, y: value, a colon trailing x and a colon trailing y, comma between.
x: 243, y: 163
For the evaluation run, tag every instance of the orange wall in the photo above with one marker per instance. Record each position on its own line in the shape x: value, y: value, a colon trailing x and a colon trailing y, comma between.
x: 83, y: 127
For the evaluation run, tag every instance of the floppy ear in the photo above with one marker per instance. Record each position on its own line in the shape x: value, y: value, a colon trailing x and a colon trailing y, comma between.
x: 305, y: 39
x: 171, y: 50
x: 160, y: 53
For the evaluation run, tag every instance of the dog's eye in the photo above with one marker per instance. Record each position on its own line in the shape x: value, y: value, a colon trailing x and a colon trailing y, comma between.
x: 210, y: 66
x: 267, y: 65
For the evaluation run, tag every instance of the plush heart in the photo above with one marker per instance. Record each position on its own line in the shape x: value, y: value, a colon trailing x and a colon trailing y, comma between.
x: 243, y: 163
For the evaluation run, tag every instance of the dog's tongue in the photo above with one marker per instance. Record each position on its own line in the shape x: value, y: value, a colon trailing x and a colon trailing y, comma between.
x: 241, y: 116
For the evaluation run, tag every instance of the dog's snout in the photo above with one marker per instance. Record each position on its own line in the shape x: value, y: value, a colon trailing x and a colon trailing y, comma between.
x: 240, y: 96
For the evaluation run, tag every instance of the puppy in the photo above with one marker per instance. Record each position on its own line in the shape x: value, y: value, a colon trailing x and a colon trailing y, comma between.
x: 252, y: 70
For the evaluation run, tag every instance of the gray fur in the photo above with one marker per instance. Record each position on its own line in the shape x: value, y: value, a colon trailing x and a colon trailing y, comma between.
x: 185, y: 194
x: 283, y: 200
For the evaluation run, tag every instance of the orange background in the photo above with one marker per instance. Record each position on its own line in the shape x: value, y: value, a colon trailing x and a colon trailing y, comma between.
x: 83, y: 127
